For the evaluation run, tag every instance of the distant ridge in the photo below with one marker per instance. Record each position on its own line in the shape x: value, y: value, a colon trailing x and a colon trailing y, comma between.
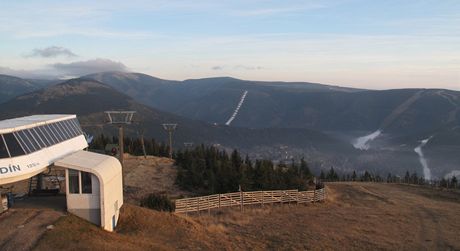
x: 277, y: 121
x: 89, y: 99
x: 11, y: 86
x: 292, y: 105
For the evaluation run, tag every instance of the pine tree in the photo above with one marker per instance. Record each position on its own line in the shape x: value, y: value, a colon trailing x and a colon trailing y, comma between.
x: 322, y: 176
x: 389, y: 178
x: 354, y: 176
x: 407, y: 177
x: 414, y: 178
x: 304, y: 168
x: 443, y: 182
x: 454, y: 181
x: 213, y: 171
x: 366, y: 177
x: 332, y: 175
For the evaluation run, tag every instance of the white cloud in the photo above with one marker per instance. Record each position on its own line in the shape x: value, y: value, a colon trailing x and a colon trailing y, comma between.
x: 30, y: 74
x: 64, y: 70
x: 278, y: 10
x: 237, y: 67
x: 51, y: 52
x: 80, y: 68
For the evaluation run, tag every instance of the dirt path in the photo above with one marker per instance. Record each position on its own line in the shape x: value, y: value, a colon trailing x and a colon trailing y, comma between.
x: 20, y: 229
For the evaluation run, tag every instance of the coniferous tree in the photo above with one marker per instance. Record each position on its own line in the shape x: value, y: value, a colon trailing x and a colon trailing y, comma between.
x: 454, y: 181
x: 389, y: 178
x: 304, y: 168
x: 322, y: 176
x: 366, y: 177
x: 407, y: 177
x: 332, y: 175
x: 443, y: 182
x: 414, y: 178
x: 210, y: 170
x: 354, y: 176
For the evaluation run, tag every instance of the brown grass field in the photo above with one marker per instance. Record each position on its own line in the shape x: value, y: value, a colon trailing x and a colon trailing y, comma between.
x: 148, y: 175
x: 356, y: 216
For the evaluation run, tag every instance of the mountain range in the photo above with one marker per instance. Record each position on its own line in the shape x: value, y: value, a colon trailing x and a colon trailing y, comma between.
x: 278, y: 120
x: 293, y: 105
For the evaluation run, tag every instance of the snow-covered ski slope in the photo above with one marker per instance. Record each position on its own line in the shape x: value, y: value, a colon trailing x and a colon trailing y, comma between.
x: 235, y: 113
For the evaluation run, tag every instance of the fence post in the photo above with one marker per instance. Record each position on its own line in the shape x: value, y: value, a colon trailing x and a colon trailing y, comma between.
x: 186, y: 209
x: 263, y: 196
x: 241, y: 199
x: 272, y: 198
x: 209, y: 207
x: 319, y: 195
x: 297, y: 198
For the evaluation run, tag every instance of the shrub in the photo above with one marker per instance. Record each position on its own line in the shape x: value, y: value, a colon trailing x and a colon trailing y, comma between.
x: 159, y: 202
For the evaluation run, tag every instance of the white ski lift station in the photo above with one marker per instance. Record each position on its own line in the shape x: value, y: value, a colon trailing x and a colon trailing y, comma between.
x: 29, y: 145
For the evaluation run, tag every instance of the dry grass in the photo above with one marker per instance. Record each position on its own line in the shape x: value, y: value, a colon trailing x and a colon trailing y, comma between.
x: 356, y: 216
x: 147, y: 175
x: 139, y: 229
x: 363, y: 216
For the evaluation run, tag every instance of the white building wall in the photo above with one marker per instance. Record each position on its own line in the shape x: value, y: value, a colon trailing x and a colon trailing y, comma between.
x: 86, y: 206
x: 113, y: 200
x: 108, y: 173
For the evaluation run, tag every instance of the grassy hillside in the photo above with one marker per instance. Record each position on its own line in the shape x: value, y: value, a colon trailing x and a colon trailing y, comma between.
x: 358, y: 216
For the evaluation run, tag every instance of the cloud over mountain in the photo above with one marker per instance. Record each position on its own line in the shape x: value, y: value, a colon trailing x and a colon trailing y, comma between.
x: 80, y: 68
x: 236, y: 67
x: 67, y: 70
x: 52, y: 52
x: 41, y: 73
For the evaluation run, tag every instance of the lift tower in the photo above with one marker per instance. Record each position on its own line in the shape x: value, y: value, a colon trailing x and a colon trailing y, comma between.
x: 170, y: 128
x: 120, y: 118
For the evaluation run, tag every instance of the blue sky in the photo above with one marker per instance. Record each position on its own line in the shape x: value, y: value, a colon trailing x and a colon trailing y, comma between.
x: 370, y: 44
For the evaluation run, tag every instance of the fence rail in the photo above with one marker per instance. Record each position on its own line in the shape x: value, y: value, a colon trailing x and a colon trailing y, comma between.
x: 241, y: 199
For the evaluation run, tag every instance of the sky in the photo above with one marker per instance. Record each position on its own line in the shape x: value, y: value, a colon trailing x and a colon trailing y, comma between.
x: 357, y: 43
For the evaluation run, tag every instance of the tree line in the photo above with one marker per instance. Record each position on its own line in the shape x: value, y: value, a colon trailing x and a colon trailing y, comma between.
x: 132, y: 146
x: 210, y: 170
x: 332, y: 176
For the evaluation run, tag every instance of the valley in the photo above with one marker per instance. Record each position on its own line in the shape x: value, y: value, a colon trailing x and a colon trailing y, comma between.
x: 349, y: 129
x: 229, y: 125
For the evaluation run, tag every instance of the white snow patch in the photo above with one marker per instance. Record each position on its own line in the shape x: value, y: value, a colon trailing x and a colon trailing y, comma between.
x: 363, y: 143
x: 418, y: 150
x: 455, y: 173
x: 243, y: 97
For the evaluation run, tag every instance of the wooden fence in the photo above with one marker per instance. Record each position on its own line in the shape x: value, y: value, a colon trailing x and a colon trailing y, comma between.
x: 241, y: 199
